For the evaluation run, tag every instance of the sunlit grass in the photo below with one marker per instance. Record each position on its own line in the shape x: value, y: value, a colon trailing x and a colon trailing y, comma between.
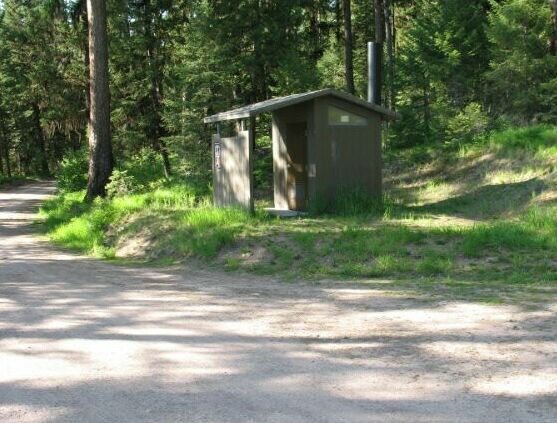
x: 467, y: 221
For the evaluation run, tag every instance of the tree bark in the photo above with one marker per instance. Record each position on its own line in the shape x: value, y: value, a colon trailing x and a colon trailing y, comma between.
x: 5, y: 149
x: 379, y: 21
x: 40, y: 140
x: 86, y: 62
x: 1, y: 151
x: 157, y: 130
x: 315, y: 31
x: 553, y: 39
x: 3, y: 146
x: 348, y: 48
x: 338, y: 21
x: 100, y: 146
x: 389, y: 40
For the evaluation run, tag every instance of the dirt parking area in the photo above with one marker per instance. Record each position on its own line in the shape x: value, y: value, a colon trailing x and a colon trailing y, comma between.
x: 88, y: 341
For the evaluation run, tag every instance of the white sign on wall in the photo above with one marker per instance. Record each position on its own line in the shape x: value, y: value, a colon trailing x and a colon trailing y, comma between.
x: 217, y: 155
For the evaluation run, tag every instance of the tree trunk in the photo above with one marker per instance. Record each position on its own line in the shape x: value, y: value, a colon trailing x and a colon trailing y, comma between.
x: 389, y: 39
x: 379, y: 21
x: 348, y: 48
x: 315, y: 31
x: 40, y: 140
x: 3, y: 145
x: 338, y: 21
x: 553, y: 40
x: 160, y: 130
x: 5, y: 149
x: 157, y: 127
x: 100, y: 145
x: 86, y: 61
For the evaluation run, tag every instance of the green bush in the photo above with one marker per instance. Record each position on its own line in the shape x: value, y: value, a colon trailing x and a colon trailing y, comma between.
x: 468, y: 124
x: 145, y: 169
x: 121, y: 184
x: 72, y: 174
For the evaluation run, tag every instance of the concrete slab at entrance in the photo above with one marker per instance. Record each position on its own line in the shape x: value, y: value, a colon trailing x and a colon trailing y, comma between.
x: 285, y: 212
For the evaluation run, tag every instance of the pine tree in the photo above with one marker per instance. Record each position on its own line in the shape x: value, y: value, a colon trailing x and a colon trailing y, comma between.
x: 100, y: 146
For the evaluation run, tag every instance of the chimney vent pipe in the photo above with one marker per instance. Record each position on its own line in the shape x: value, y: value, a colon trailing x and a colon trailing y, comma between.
x: 374, y: 73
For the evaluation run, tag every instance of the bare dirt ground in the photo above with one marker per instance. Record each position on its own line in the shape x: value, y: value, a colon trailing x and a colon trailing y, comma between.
x: 87, y: 341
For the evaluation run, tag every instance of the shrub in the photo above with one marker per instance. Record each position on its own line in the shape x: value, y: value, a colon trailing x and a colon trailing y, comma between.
x: 145, y: 169
x: 72, y: 175
x: 121, y: 184
x: 468, y: 124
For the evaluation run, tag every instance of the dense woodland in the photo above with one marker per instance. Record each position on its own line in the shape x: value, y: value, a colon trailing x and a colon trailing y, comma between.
x: 452, y: 69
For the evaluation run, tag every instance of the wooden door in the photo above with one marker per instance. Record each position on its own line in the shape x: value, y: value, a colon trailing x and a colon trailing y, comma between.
x: 232, y: 173
x: 296, y: 182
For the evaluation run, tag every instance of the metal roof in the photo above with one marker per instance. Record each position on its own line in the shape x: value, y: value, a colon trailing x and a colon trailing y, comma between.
x: 281, y: 102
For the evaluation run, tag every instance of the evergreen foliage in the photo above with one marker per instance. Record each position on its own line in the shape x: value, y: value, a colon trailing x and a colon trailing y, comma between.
x: 452, y: 69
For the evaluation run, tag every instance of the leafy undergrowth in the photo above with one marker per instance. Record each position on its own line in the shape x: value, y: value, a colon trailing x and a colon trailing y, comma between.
x: 484, y: 215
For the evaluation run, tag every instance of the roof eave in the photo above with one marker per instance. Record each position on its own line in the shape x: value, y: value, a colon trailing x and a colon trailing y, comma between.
x: 386, y: 114
x: 220, y: 117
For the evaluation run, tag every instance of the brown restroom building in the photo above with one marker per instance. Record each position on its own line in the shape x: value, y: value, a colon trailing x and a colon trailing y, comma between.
x: 323, y: 142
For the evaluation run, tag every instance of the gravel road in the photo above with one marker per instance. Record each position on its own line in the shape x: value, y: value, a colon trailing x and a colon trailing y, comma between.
x: 85, y: 341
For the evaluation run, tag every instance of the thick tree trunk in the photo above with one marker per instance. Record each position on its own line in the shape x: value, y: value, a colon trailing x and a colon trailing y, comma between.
x: 100, y: 145
x: 553, y: 40
x: 40, y: 140
x: 348, y: 48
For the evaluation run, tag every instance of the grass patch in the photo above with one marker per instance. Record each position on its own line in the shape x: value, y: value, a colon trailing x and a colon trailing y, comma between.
x: 535, y: 231
x: 537, y: 138
x: 469, y: 224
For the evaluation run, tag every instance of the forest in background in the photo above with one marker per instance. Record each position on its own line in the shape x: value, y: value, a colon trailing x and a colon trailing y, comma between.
x: 453, y: 69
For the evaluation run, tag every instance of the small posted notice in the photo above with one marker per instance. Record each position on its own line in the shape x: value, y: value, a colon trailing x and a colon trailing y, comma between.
x: 217, y: 155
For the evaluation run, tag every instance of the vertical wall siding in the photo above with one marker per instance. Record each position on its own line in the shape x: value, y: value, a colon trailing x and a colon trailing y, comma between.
x: 232, y: 180
x: 347, y: 156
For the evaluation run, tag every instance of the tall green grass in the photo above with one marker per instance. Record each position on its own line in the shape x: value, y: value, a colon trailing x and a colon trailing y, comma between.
x: 535, y: 231
x: 354, y: 236
x: 536, y: 138
x: 83, y: 226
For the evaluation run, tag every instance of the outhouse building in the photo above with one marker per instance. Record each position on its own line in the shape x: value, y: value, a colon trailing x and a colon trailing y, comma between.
x: 323, y: 142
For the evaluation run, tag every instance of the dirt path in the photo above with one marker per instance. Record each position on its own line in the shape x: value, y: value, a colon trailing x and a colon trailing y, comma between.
x: 85, y: 341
